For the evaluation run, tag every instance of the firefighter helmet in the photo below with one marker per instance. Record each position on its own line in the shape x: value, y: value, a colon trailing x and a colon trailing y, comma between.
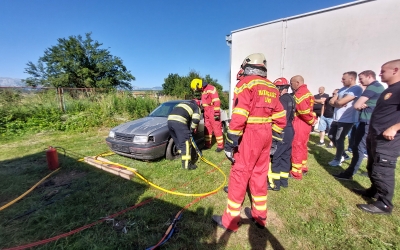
x: 257, y: 59
x: 281, y: 82
x: 196, y: 84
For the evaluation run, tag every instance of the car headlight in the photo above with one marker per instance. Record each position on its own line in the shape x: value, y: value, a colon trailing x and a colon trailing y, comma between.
x: 140, y: 139
x: 111, y: 134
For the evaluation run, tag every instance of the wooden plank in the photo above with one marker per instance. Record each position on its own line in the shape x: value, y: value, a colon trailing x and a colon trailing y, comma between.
x: 116, y: 170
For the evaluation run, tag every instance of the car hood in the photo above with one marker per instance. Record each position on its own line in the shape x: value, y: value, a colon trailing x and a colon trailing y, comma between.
x: 142, y: 126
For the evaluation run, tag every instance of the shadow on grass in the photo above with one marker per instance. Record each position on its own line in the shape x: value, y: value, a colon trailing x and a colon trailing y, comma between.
x: 321, y: 155
x: 79, y: 194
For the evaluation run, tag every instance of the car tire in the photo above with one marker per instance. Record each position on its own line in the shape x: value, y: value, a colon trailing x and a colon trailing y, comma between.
x: 172, y: 151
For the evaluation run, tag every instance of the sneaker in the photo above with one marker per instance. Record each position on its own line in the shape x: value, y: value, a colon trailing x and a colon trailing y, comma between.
x: 335, y: 163
x: 219, y: 150
x: 247, y: 212
x: 191, y: 166
x: 346, y: 157
x: 330, y: 146
x: 226, y: 189
x: 343, y: 176
x: 322, y: 144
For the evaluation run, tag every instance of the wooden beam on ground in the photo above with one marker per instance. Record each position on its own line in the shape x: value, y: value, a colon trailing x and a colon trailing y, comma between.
x: 106, y: 165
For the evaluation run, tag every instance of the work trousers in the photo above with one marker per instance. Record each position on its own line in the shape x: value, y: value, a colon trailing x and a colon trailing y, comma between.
x: 249, y: 170
x: 210, y: 126
x: 299, y: 148
x: 180, y: 133
x: 337, y: 134
x: 360, y: 144
x: 382, y: 159
x: 280, y: 161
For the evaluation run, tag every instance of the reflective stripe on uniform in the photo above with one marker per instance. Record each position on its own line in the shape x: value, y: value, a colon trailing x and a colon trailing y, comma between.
x: 258, y: 120
x: 284, y: 174
x: 233, y: 204
x: 186, y: 107
x: 177, y: 118
x: 240, y: 111
x: 233, y: 213
x: 276, y: 128
x: 260, y: 207
x: 253, y: 83
x: 300, y: 99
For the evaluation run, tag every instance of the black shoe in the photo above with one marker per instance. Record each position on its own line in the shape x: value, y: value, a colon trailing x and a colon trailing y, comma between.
x: 219, y: 150
x: 191, y: 166
x: 275, y: 188
x: 343, y: 176
x: 226, y: 189
x: 247, y: 212
x: 217, y: 219
x: 371, y: 208
x: 330, y: 146
x: 363, y: 192
x: 321, y: 144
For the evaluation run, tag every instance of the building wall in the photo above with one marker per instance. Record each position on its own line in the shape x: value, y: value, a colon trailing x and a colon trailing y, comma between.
x: 322, y: 45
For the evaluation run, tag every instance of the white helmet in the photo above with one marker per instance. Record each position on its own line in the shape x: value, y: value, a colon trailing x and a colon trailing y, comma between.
x: 257, y: 59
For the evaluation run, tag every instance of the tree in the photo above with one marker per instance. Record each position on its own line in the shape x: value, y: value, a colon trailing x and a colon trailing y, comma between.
x: 78, y: 63
x: 179, y: 86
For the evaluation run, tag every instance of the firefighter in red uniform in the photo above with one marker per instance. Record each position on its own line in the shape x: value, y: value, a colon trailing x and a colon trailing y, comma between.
x: 257, y: 117
x: 304, y: 119
x: 212, y: 112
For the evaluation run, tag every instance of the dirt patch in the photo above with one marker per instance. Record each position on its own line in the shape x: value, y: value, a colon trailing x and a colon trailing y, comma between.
x: 273, y: 219
x: 63, y: 178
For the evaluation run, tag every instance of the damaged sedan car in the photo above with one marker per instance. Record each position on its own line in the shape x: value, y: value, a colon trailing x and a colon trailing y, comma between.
x: 148, y: 138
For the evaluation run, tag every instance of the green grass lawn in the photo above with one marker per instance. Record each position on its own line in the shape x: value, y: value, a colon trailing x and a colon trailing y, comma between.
x: 318, y: 212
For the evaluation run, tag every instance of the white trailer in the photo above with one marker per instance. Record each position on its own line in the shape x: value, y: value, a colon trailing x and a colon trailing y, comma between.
x: 323, y: 44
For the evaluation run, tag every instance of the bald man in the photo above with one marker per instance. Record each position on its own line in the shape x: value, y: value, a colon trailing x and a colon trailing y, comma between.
x: 383, y: 143
x: 304, y: 119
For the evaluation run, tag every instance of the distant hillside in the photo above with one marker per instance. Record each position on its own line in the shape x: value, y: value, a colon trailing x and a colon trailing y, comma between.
x: 11, y: 82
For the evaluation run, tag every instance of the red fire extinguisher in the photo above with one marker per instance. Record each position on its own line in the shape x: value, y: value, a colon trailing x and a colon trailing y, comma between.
x: 52, y: 158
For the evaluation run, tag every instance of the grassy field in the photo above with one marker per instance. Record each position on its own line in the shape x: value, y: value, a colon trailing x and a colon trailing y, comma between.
x: 318, y: 212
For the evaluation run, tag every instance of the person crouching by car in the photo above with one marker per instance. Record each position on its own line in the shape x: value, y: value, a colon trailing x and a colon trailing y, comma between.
x: 182, y: 122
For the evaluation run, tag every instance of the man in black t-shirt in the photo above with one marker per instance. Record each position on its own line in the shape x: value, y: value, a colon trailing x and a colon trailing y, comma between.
x: 326, y: 119
x: 319, y: 102
x: 383, y: 143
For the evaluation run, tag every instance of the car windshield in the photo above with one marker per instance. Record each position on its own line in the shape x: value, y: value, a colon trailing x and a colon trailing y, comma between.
x: 163, y: 110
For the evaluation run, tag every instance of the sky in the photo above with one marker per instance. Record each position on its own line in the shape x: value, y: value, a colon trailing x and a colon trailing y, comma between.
x: 153, y: 38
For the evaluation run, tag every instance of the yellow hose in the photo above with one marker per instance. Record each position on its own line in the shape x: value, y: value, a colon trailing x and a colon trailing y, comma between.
x: 27, y: 192
x: 163, y: 189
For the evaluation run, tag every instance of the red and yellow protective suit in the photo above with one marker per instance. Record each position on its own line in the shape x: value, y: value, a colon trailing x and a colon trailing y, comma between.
x: 302, y: 124
x: 211, y: 104
x: 257, y: 111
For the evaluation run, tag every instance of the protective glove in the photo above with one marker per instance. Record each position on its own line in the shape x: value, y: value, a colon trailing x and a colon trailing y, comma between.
x: 229, y: 151
x: 276, y: 140
x: 231, y: 143
x: 217, y: 115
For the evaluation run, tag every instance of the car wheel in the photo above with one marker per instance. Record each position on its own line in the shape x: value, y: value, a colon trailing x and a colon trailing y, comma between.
x: 172, y: 150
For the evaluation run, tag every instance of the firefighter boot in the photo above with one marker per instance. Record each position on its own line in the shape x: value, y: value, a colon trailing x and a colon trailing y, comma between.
x: 284, y: 182
x: 188, y: 165
x: 296, y: 175
x: 275, y: 185
x: 304, y: 169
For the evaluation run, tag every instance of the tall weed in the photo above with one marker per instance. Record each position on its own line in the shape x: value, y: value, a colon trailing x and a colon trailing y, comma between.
x: 40, y: 111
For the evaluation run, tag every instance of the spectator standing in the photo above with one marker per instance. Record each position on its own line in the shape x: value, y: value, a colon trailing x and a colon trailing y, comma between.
x: 326, y: 119
x: 383, y: 143
x: 319, y: 100
x: 257, y: 116
x: 345, y: 115
x: 365, y: 104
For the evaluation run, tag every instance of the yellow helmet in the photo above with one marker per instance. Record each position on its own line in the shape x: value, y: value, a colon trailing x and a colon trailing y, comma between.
x: 196, y: 84
x: 257, y: 59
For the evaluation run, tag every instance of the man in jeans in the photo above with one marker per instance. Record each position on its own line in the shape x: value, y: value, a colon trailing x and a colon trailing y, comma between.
x: 345, y: 115
x: 326, y: 119
x: 366, y: 104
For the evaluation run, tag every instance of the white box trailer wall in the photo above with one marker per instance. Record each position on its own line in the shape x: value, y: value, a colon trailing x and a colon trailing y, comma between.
x: 324, y: 44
